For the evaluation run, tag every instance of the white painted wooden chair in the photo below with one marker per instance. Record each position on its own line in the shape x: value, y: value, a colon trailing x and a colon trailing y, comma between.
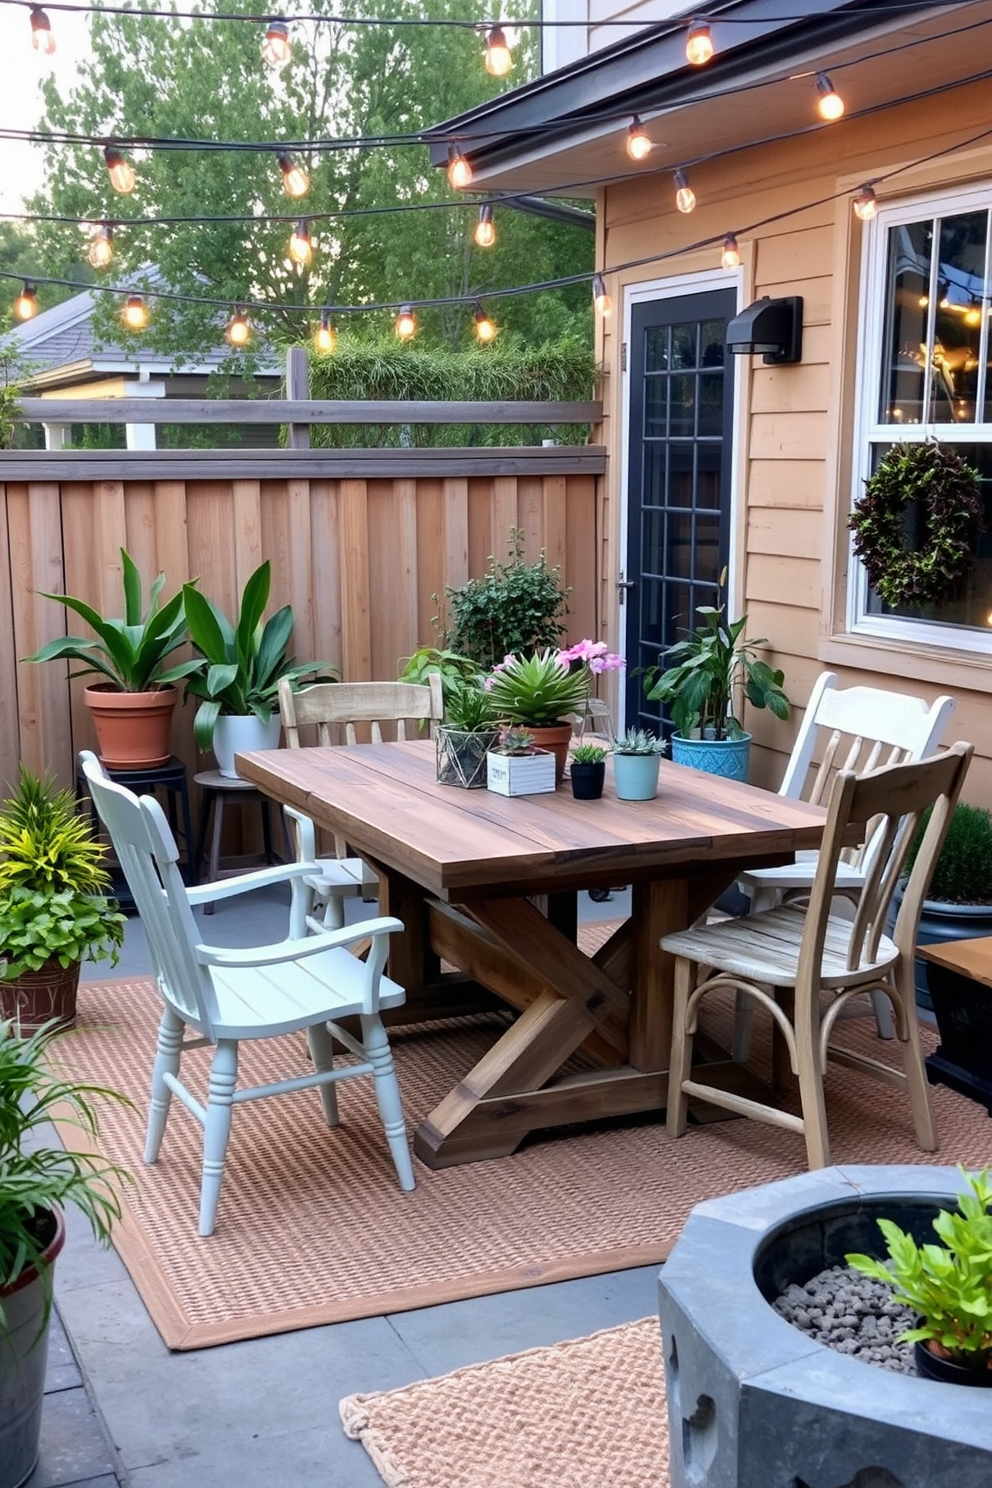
x: 857, y: 729
x: 790, y: 958
x: 306, y: 982
x: 331, y: 710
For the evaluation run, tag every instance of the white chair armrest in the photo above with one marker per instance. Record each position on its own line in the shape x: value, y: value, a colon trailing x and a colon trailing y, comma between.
x: 296, y: 950
x: 306, y: 833
x: 263, y: 878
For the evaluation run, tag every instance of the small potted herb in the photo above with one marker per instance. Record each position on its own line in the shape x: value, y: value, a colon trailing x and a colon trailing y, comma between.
x: 636, y: 758
x: 588, y: 771
x: 948, y: 1285
x: 516, y: 767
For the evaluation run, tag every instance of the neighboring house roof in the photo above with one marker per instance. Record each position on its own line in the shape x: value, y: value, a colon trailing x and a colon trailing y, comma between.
x: 567, y: 126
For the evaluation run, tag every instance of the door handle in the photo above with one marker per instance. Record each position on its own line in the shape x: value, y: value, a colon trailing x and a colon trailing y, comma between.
x: 622, y: 586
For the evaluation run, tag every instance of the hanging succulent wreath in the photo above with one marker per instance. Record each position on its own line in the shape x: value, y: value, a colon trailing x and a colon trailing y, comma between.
x: 945, y: 492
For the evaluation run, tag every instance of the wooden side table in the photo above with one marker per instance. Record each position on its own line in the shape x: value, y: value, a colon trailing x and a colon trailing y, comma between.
x: 219, y: 791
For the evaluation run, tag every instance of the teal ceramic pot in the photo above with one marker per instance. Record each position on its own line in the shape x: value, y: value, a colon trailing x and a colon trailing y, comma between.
x: 635, y: 776
x: 726, y: 757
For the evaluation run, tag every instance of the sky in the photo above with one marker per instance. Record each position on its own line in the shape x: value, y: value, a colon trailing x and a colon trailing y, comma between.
x: 22, y: 165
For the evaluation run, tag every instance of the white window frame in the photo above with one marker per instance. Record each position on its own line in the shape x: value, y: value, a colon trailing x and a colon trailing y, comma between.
x: 869, y: 431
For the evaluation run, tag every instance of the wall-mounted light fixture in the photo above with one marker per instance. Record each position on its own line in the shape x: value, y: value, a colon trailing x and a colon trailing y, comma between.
x: 772, y: 328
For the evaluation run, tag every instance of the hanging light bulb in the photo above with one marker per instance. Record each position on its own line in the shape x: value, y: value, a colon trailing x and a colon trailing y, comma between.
x: 26, y: 304
x: 459, y: 170
x: 300, y: 247
x: 121, y: 170
x: 731, y: 255
x: 485, y: 228
x: 498, y: 58
x: 829, y: 103
x: 135, y: 313
x: 685, y: 197
x: 405, y: 324
x: 638, y: 144
x: 42, y: 38
x: 699, y: 43
x: 485, y: 330
x: 601, y: 300
x: 101, y: 249
x: 276, y: 48
x: 865, y: 203
x: 295, y: 180
x: 238, y: 331
x: 325, y: 339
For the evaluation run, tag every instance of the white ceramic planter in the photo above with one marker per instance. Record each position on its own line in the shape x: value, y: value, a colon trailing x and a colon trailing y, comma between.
x: 237, y: 734
x: 520, y: 774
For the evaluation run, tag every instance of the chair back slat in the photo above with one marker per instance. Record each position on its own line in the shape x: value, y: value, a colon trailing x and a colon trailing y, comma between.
x: 147, y: 853
x: 333, y: 709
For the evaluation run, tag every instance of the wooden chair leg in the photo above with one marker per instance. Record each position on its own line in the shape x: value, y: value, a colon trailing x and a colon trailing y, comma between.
x: 806, y: 1023
x: 387, y: 1094
x: 681, y: 1060
x: 917, y: 1084
x: 217, y: 1129
x: 321, y: 1042
x: 168, y: 1054
x: 781, y: 1062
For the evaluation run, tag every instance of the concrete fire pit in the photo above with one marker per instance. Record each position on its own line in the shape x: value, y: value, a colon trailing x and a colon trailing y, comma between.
x: 752, y: 1401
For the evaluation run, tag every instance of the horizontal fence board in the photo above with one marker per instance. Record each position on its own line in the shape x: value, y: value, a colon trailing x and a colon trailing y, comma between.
x: 304, y: 411
x: 187, y: 465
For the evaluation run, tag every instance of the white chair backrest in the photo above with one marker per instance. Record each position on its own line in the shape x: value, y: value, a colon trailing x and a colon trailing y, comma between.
x: 335, y: 708
x: 147, y: 852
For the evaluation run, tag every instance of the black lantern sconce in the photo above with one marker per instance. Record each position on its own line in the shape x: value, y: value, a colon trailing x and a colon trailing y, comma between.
x: 773, y: 328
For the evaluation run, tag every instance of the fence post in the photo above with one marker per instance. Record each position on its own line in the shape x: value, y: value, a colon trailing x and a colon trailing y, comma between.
x: 298, y: 391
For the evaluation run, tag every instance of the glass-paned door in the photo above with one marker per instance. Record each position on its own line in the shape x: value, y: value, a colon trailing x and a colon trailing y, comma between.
x: 678, y: 490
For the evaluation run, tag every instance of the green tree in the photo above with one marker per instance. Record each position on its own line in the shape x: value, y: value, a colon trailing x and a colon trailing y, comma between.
x: 205, y: 80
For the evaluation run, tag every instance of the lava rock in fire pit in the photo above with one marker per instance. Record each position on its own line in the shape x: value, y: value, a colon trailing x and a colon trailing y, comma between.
x: 853, y: 1314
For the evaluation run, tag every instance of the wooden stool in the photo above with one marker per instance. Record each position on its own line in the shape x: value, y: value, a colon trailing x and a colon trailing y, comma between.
x: 218, y: 790
x: 145, y: 781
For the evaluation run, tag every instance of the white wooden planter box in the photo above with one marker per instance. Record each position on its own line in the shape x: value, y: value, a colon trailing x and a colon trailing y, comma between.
x: 520, y: 774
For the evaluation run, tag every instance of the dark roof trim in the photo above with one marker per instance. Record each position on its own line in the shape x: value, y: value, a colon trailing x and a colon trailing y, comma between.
x: 647, y: 72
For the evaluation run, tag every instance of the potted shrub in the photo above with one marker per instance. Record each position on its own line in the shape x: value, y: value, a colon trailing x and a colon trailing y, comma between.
x: 37, y: 1179
x: 516, y: 767
x: 54, y: 913
x: 958, y: 905
x: 238, y: 670
x: 636, y: 758
x: 466, y: 734
x: 588, y: 771
x: 712, y: 672
x: 538, y: 693
x: 513, y: 607
x: 949, y: 1286
x: 132, y: 706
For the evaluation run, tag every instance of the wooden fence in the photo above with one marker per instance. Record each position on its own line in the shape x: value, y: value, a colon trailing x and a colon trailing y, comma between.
x: 360, y: 542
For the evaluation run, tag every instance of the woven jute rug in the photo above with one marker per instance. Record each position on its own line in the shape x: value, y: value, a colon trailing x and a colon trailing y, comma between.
x: 585, y: 1414
x: 313, y: 1228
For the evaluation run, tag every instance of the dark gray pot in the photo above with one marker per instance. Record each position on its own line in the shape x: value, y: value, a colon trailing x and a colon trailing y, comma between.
x: 941, y: 922
x: 23, y: 1356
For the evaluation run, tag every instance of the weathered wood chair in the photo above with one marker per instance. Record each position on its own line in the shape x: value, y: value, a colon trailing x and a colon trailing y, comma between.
x: 857, y: 729
x: 306, y: 982
x: 787, y: 958
x: 332, y: 710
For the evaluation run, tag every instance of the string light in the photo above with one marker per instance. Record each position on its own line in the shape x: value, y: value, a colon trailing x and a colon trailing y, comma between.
x: 325, y: 339
x: 135, y: 313
x: 485, y: 228
x: 829, y: 103
x: 731, y: 254
x: 300, y: 247
x: 42, y: 38
x: 101, y: 249
x: 485, y: 330
x: 276, y: 48
x: 295, y: 180
x: 26, y: 304
x: 498, y: 59
x: 698, y: 44
x: 638, y: 144
x: 121, y: 170
x: 405, y: 324
x: 238, y: 331
x: 685, y: 197
x: 600, y: 299
x: 865, y: 203
x: 459, y: 171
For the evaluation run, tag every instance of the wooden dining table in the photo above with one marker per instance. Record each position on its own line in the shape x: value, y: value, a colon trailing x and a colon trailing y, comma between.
x: 488, y: 884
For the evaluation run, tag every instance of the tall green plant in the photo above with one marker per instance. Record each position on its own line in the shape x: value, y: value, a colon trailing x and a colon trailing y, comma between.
x: 963, y: 871
x: 715, y: 669
x: 515, y: 607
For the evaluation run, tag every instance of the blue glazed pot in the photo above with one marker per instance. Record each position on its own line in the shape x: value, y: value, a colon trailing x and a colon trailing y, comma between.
x: 726, y: 757
x: 635, y: 776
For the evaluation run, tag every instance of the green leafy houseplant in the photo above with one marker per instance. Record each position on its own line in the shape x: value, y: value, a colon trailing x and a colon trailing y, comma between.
x: 639, y: 741
x: 949, y: 1285
x: 713, y: 671
x: 467, y: 731
x: 513, y: 607
x: 240, y: 665
x: 537, y: 691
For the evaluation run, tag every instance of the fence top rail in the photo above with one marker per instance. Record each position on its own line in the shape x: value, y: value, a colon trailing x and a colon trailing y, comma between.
x: 282, y: 411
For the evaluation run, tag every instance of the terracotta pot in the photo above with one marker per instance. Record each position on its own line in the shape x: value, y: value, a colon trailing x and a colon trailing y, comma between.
x: 555, y: 737
x: 132, y: 728
x: 23, y: 1356
x: 37, y: 997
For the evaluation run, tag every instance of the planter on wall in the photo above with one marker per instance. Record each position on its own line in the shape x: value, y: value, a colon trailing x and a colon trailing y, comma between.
x: 725, y: 757
x: 132, y: 728
x: 236, y: 733
x: 23, y: 1356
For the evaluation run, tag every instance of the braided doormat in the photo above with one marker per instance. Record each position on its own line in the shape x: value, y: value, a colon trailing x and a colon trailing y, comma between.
x: 585, y: 1414
x: 313, y: 1228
